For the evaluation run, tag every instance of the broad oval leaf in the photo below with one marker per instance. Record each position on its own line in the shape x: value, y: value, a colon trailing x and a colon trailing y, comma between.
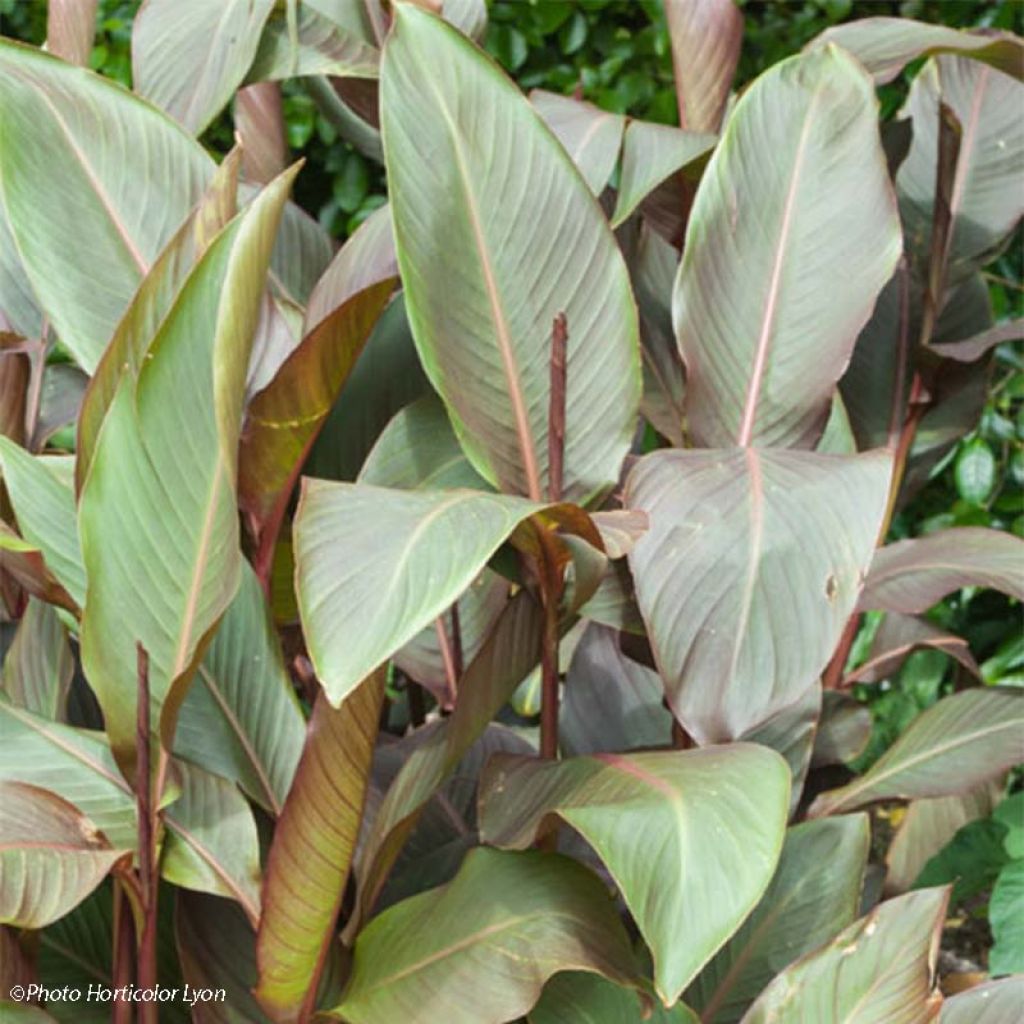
x: 525, y: 240
x: 886, y: 45
x: 51, y: 856
x: 310, y: 857
x: 688, y: 836
x: 417, y: 960
x: 912, y: 575
x: 879, y: 970
x: 955, y: 745
x: 814, y: 894
x: 65, y: 138
x: 189, y: 56
x: 164, y: 581
x: 750, y: 569
x: 765, y: 309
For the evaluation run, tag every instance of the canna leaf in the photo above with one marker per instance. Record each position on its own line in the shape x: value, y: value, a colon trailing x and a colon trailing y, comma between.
x: 590, y: 999
x: 765, y: 310
x: 418, y: 958
x: 688, y: 836
x: 954, y: 746
x: 994, y: 1002
x: 518, y: 254
x: 38, y: 666
x: 751, y: 526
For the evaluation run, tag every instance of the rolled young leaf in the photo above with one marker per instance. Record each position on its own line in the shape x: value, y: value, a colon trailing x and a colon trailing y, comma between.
x: 912, y: 575
x: 750, y: 569
x: 164, y: 581
x: 765, y: 310
x: 688, y: 836
x: 51, y: 856
x: 310, y: 857
x: 880, y: 969
x: 524, y: 241
x: 420, y: 958
x: 955, y: 745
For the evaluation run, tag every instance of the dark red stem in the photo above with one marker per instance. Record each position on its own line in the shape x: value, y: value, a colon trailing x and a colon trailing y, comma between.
x: 149, y: 879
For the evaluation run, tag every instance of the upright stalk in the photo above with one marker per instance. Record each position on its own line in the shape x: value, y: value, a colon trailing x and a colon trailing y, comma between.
x: 146, y: 804
x: 123, y: 953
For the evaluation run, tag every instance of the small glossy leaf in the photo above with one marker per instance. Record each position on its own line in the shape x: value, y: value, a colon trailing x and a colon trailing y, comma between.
x: 51, y: 856
x: 650, y: 817
x: 519, y: 254
x: 879, y: 969
x: 813, y: 896
x: 886, y: 45
x: 591, y: 136
x: 310, y: 857
x: 38, y: 666
x: 706, y: 37
x: 765, y: 310
x: 995, y: 1002
x: 956, y: 745
x: 418, y: 958
x: 189, y: 56
x: 751, y: 526
x: 975, y: 472
x: 912, y: 575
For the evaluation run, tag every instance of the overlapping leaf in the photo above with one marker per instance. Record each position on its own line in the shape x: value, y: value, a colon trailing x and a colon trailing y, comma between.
x: 525, y: 240
x: 688, y: 836
x: 995, y: 1002
x: 774, y: 560
x: 37, y: 667
x: 765, y: 309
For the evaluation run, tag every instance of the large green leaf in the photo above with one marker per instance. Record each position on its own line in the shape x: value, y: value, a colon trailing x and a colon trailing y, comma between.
x: 590, y: 999
x: 748, y: 573
x: 885, y: 45
x: 81, y: 161
x: 524, y: 241
x: 375, y: 565
x: 706, y: 37
x: 879, y: 970
x: 189, y: 56
x: 240, y: 718
x: 765, y: 309
x: 37, y: 668
x: 51, y: 856
x: 511, y: 650
x: 164, y: 581
x: 995, y: 1002
x: 912, y: 575
x: 312, y: 850
x: 1006, y: 917
x: 420, y: 958
x: 814, y: 894
x: 691, y: 838
x: 984, y: 203
x: 956, y: 745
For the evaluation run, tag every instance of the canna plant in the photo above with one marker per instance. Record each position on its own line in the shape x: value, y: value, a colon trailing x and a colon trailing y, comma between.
x: 602, y: 420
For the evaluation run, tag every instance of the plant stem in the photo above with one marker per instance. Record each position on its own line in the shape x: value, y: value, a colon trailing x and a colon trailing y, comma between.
x: 556, y: 407
x: 549, y: 683
x: 123, y: 953
x: 833, y: 675
x: 451, y: 672
x: 149, y: 879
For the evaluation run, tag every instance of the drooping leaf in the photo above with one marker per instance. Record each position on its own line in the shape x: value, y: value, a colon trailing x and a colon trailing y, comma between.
x: 418, y: 958
x: 928, y: 825
x: 405, y: 555
x: 653, y: 819
x: 813, y: 896
x: 591, y: 136
x: 956, y: 745
x: 912, y: 575
x: 189, y: 56
x: 24, y: 563
x: 240, y: 718
x: 51, y: 856
x: 153, y: 579
x: 211, y: 843
x: 66, y: 137
x: 886, y: 45
x: 652, y: 153
x: 983, y: 204
x: 519, y: 253
x: 38, y: 666
x: 765, y: 310
x: 971, y: 349
x: 309, y: 860
x: 750, y: 526
x: 879, y: 969
x: 995, y: 1002
x: 706, y: 37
